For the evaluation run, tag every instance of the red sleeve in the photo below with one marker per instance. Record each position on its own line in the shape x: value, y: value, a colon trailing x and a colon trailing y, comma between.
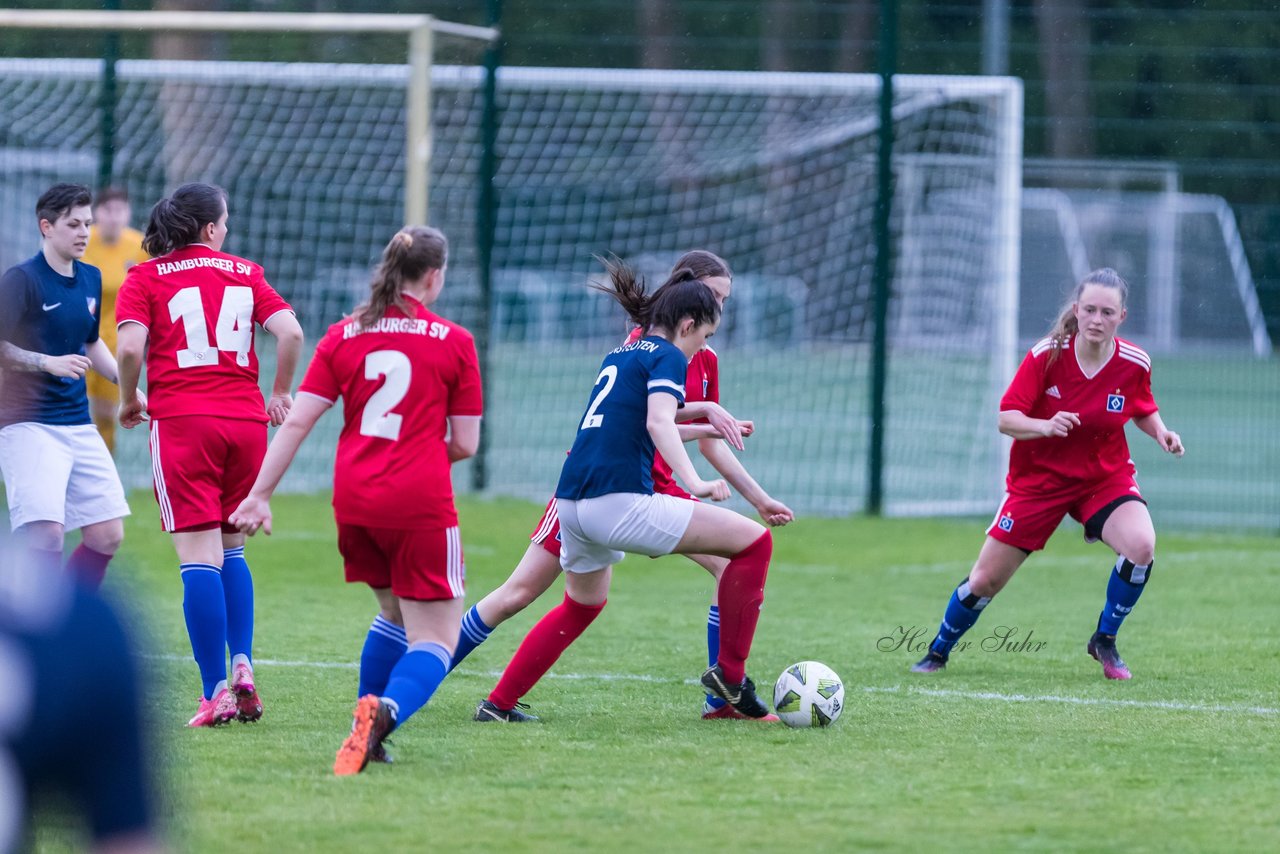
x: 465, y: 397
x: 713, y: 377
x: 132, y: 302
x: 320, y: 379
x: 266, y: 301
x: 1145, y: 402
x: 1026, y: 387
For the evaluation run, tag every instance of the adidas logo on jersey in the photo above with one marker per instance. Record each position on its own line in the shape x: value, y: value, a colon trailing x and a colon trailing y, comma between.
x: 1053, y: 392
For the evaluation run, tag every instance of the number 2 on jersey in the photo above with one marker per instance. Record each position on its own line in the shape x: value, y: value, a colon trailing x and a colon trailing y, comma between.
x: 233, y: 332
x: 377, y: 418
x: 592, y: 419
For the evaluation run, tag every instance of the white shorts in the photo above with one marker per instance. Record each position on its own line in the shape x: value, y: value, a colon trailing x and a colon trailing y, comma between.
x: 57, y: 473
x: 594, y: 532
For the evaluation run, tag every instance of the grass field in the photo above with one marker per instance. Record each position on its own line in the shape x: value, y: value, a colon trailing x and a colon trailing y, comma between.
x: 1007, y: 750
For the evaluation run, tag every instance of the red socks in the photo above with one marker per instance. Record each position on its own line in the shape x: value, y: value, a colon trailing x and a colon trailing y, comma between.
x: 741, y: 594
x: 541, y: 648
x: 87, y: 566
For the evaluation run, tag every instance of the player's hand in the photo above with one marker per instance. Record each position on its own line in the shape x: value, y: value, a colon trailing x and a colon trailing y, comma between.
x: 72, y: 366
x: 1171, y: 442
x: 278, y: 408
x: 775, y: 513
x: 747, y: 427
x: 729, y: 428
x: 716, y: 490
x: 133, y: 412
x: 1060, y: 424
x: 252, y: 514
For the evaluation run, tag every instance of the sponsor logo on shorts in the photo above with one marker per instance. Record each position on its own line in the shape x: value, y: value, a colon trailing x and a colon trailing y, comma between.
x: 1005, y: 523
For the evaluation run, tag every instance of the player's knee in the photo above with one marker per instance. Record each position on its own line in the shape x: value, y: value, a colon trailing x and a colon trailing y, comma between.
x: 105, y: 538
x: 982, y: 586
x: 1141, y: 553
x: 1134, y: 572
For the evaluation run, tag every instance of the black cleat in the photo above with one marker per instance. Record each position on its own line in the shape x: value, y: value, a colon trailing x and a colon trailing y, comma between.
x: 742, y: 697
x: 931, y: 663
x: 487, y: 712
x: 1103, y: 648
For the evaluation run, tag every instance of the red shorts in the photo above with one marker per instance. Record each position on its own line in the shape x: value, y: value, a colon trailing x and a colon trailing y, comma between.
x: 202, y: 468
x: 422, y: 564
x: 1027, y: 521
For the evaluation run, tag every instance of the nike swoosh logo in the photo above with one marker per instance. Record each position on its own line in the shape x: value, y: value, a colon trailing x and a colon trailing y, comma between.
x: 50, y: 307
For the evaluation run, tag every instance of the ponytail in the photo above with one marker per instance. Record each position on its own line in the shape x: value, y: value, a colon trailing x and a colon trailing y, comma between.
x: 682, y: 295
x: 413, y: 250
x: 177, y: 221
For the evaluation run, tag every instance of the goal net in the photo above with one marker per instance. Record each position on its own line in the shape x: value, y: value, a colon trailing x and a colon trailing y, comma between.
x: 775, y: 172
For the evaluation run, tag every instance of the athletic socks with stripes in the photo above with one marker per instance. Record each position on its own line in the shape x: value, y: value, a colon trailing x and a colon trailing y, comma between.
x: 205, y: 609
x: 963, y: 610
x: 384, y: 646
x: 473, y: 633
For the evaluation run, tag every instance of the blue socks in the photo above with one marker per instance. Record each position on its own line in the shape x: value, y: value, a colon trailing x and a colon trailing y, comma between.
x: 962, y: 612
x: 237, y: 588
x: 1123, y: 589
x: 415, y: 678
x: 473, y: 633
x: 713, y: 649
x: 205, y: 609
x: 383, y: 647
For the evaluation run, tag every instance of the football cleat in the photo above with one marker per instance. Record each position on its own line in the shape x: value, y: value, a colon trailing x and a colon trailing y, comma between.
x: 372, y: 723
x: 215, y: 712
x: 729, y: 713
x: 248, y: 705
x: 487, y: 712
x: 931, y: 663
x: 741, y: 697
x: 1103, y: 648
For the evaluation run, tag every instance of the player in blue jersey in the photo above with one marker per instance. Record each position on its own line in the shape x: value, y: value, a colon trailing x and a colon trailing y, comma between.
x: 607, y: 504
x: 60, y: 645
x: 58, y: 473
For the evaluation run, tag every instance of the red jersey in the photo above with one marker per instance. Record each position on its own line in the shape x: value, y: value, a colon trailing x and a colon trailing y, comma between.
x: 199, y: 307
x: 399, y: 380
x: 1096, y: 448
x: 702, y: 383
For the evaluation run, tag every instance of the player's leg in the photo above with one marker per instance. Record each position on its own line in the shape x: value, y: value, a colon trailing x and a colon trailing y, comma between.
x: 588, y: 569
x: 95, y: 504
x: 428, y: 577
x: 205, y: 610
x: 996, y: 564
x: 713, y: 706
x: 244, y: 444
x: 365, y: 562
x: 1128, y: 530
x: 534, y: 574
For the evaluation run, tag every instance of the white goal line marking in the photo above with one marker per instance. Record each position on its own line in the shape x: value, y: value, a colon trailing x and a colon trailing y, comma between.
x: 946, y: 693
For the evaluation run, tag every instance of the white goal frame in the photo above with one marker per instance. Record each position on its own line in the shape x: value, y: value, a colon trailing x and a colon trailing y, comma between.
x: 419, y: 31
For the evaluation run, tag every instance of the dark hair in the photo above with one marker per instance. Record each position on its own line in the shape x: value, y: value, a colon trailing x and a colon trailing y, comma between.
x: 682, y: 295
x: 112, y: 193
x: 413, y: 250
x: 1066, y: 325
x: 703, y: 264
x: 177, y: 220
x: 60, y: 198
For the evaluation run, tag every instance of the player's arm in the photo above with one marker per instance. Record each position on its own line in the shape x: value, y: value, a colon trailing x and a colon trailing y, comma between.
x: 131, y: 346
x: 464, y: 437
x: 772, y: 511
x: 1019, y: 425
x: 661, y: 424
x: 730, y: 428
x: 1153, y: 426
x: 102, y: 361
x: 284, y: 327
x: 255, y: 511
x: 72, y: 366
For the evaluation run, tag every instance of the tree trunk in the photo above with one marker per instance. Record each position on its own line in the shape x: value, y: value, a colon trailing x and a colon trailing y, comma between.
x: 1064, y: 59
x: 193, y: 131
x: 657, y: 28
x: 775, y: 33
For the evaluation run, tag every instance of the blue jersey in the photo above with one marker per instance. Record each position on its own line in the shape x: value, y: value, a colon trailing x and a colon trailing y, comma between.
x: 613, y: 451
x: 46, y: 312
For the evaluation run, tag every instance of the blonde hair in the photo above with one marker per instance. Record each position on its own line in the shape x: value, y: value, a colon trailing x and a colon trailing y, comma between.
x: 1066, y: 326
x: 412, y: 251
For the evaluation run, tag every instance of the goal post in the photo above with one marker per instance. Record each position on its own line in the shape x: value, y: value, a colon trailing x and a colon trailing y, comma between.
x: 419, y: 31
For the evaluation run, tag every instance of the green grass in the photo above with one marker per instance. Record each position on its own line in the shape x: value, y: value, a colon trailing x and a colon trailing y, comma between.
x: 1003, y: 751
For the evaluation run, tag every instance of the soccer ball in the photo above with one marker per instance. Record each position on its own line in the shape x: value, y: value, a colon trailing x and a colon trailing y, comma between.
x: 808, y: 694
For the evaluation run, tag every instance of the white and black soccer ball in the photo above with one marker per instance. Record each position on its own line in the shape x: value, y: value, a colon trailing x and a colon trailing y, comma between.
x: 808, y: 693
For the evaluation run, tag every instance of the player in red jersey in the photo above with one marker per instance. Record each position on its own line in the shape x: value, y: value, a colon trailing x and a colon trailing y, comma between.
x: 191, y: 310
x: 709, y: 422
x: 1066, y: 410
x: 410, y: 385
